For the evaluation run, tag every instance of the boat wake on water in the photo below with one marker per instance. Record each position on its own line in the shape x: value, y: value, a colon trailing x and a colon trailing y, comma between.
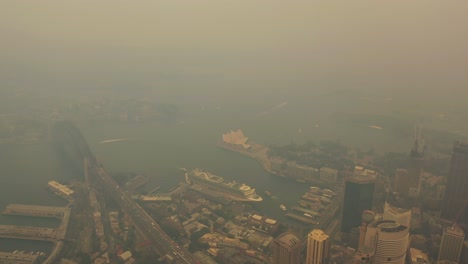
x: 112, y: 140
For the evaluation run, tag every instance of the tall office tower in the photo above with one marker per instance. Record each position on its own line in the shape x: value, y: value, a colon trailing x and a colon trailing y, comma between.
x: 318, y: 247
x: 415, y: 167
x: 365, y: 253
x: 358, y: 196
x: 457, y: 185
x: 451, y: 244
x: 401, y: 182
x: 287, y: 249
x: 464, y: 255
x: 390, y: 240
x: 399, y: 215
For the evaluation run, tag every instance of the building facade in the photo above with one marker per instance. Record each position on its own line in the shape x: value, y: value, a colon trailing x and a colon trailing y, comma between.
x: 328, y: 175
x: 286, y: 249
x: 401, y: 182
x: 457, y: 182
x: 451, y: 244
x: 400, y: 215
x: 358, y: 197
x: 415, y: 170
x: 318, y: 247
x: 390, y: 241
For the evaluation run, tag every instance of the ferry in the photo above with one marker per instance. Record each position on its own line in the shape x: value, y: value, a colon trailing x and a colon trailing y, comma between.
x: 282, y: 207
x: 233, y: 190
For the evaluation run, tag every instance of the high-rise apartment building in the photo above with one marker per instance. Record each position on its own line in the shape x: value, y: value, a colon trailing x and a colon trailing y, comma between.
x: 318, y: 247
x: 451, y: 244
x: 457, y: 185
x: 358, y: 196
x: 287, y: 249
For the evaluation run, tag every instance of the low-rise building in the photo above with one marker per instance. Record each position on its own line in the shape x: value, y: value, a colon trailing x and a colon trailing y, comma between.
x: 418, y: 257
x: 328, y: 175
x: 61, y: 190
x: 263, y: 224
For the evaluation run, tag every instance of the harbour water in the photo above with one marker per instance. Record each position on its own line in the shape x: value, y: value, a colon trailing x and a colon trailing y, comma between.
x: 159, y: 150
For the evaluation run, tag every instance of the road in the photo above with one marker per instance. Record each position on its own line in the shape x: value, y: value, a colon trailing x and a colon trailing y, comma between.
x: 143, y: 221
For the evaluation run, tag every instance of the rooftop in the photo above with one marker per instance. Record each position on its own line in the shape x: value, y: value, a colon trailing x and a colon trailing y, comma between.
x: 288, y: 240
x: 318, y: 235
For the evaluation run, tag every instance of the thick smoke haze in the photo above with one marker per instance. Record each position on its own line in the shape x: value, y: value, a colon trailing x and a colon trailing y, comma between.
x: 234, y: 48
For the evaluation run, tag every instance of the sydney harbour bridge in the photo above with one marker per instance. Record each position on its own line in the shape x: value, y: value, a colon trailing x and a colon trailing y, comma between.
x: 73, y: 148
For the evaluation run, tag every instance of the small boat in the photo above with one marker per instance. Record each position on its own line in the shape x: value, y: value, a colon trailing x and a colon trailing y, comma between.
x: 268, y: 193
x: 282, y: 207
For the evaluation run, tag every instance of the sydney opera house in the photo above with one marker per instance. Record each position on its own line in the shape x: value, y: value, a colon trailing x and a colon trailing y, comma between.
x: 236, y: 138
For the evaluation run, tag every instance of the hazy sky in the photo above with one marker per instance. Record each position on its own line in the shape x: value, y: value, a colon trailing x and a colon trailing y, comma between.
x: 218, y: 47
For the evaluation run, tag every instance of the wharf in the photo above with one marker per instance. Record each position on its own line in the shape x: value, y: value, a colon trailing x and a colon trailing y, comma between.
x: 18, y: 258
x: 136, y: 182
x: 36, y: 210
x: 307, y: 211
x: 30, y: 233
x: 56, y: 235
x: 302, y: 219
x: 310, y: 199
x: 154, y: 190
x: 310, y: 204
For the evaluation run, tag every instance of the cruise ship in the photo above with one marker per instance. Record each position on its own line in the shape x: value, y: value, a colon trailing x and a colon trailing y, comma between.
x: 232, y: 190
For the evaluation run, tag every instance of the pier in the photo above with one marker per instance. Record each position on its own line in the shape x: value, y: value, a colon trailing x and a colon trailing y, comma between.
x: 154, y: 190
x: 30, y: 233
x: 136, y: 182
x: 35, y: 210
x: 307, y: 211
x: 56, y: 235
x: 302, y: 219
x: 18, y: 258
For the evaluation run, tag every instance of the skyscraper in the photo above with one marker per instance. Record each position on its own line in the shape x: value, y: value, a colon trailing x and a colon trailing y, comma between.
x: 389, y: 239
x: 318, y: 247
x: 358, y: 196
x: 457, y: 184
x: 401, y: 182
x: 415, y: 168
x: 400, y: 215
x: 286, y: 249
x: 451, y: 244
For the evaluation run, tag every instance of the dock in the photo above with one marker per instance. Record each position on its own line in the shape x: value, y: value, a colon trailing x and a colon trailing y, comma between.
x: 30, y: 233
x: 302, y: 219
x: 154, y: 190
x: 136, y: 182
x: 18, y: 258
x: 55, y: 235
x: 36, y: 210
x: 307, y: 211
